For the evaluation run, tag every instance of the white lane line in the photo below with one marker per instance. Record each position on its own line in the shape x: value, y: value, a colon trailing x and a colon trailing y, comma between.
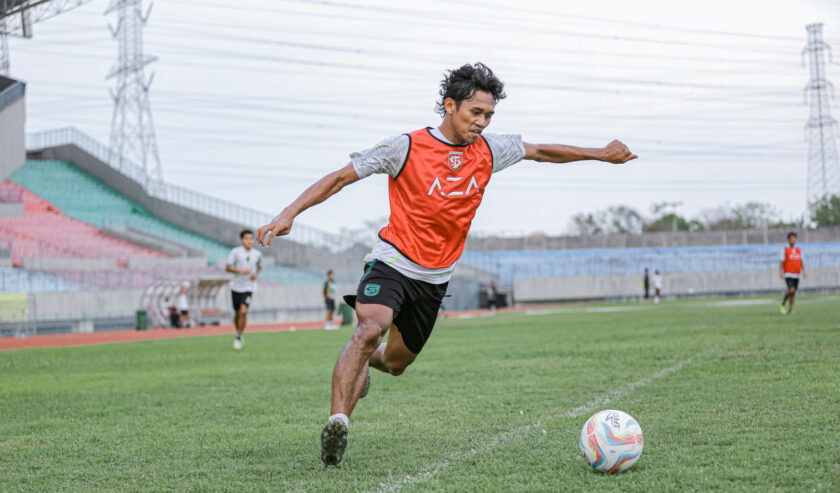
x: 725, y: 303
x: 396, y: 484
x: 595, y: 309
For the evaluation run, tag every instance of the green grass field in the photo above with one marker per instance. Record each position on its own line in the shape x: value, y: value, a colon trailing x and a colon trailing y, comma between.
x: 731, y: 397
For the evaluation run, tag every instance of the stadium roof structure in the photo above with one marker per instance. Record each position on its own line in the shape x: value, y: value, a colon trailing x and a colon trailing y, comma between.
x: 17, y: 16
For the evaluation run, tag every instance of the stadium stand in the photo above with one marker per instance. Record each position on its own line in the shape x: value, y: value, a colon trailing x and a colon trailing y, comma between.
x: 83, y: 197
x: 44, y: 232
x: 88, y: 199
x: 114, y: 279
x: 25, y: 281
x: 290, y: 275
x: 511, y: 265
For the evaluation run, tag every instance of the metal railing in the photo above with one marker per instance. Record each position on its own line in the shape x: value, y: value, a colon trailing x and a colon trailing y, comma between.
x: 179, y: 195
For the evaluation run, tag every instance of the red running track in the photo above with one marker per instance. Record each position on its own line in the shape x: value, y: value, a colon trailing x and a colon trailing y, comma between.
x: 108, y: 337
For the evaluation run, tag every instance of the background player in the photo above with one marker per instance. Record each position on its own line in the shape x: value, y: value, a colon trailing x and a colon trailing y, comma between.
x: 329, y: 300
x: 790, y: 268
x: 657, y: 286
x: 245, y: 263
x: 438, y: 177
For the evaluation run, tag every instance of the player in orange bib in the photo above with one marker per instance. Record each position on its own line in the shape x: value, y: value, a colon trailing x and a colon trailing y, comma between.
x: 790, y: 269
x: 438, y: 179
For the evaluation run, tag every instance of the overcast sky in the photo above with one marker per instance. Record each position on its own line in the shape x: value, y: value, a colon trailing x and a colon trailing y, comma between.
x: 253, y: 101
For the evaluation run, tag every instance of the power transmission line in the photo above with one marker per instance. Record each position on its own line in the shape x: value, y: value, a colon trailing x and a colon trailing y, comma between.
x: 823, y: 166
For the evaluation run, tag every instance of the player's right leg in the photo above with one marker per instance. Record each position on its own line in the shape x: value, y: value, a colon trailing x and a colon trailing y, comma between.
x: 349, y: 375
x: 238, y: 324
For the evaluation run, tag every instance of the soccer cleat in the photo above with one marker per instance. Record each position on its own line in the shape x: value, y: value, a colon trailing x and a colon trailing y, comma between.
x: 237, y: 344
x: 365, y: 387
x: 783, y: 309
x: 333, y: 442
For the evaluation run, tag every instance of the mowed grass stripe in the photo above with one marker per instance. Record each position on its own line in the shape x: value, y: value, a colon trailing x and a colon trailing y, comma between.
x: 194, y: 415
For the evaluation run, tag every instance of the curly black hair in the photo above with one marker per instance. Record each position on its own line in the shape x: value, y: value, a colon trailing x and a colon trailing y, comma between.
x: 462, y: 83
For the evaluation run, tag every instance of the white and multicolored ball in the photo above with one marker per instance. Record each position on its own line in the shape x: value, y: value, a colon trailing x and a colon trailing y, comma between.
x: 611, y: 441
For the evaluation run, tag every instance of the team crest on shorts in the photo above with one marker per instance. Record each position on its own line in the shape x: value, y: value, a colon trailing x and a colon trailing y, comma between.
x: 371, y: 289
x: 456, y: 159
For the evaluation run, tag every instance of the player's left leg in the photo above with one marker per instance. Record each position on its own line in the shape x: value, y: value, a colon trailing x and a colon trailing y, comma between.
x: 792, y: 295
x: 243, y: 319
x: 392, y: 356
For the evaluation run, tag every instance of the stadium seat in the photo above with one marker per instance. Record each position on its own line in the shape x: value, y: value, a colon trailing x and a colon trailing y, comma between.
x: 510, y: 265
x: 81, y: 196
x: 44, y: 232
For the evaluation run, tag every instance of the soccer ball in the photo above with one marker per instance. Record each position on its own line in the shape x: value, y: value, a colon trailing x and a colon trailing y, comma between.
x: 611, y: 441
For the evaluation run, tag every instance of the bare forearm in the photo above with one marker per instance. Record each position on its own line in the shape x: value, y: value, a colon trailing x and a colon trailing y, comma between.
x: 559, y: 153
x: 614, y: 152
x: 323, y: 189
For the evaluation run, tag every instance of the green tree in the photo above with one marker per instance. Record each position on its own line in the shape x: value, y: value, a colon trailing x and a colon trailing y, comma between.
x: 751, y: 215
x: 672, y: 222
x: 826, y: 212
x: 613, y: 219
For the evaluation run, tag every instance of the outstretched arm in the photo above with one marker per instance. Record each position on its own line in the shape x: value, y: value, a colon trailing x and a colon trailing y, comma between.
x: 615, y: 152
x: 323, y: 189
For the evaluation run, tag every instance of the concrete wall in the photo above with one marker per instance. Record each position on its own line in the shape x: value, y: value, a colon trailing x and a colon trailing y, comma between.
x: 5, y: 259
x: 69, y: 263
x: 11, y: 210
x: 153, y: 242
x: 284, y: 251
x: 463, y: 290
x: 154, y: 263
x: 701, y: 238
x: 12, y: 120
x: 546, y: 290
x: 83, y: 305
x: 286, y: 302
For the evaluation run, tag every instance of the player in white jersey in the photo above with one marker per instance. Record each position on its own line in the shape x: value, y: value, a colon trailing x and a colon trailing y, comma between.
x: 657, y: 286
x: 245, y: 263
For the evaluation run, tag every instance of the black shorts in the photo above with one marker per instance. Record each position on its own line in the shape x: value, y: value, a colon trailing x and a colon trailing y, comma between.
x: 330, y: 303
x: 792, y: 282
x: 415, y: 303
x: 240, y: 299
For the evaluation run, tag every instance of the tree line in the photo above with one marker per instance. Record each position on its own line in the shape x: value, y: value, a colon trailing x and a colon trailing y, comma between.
x: 664, y: 217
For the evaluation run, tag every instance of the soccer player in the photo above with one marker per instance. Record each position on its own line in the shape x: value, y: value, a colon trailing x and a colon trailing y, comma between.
x: 790, y: 268
x: 182, y: 305
x: 491, y: 297
x: 657, y: 286
x: 245, y: 263
x: 438, y: 177
x: 329, y: 300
